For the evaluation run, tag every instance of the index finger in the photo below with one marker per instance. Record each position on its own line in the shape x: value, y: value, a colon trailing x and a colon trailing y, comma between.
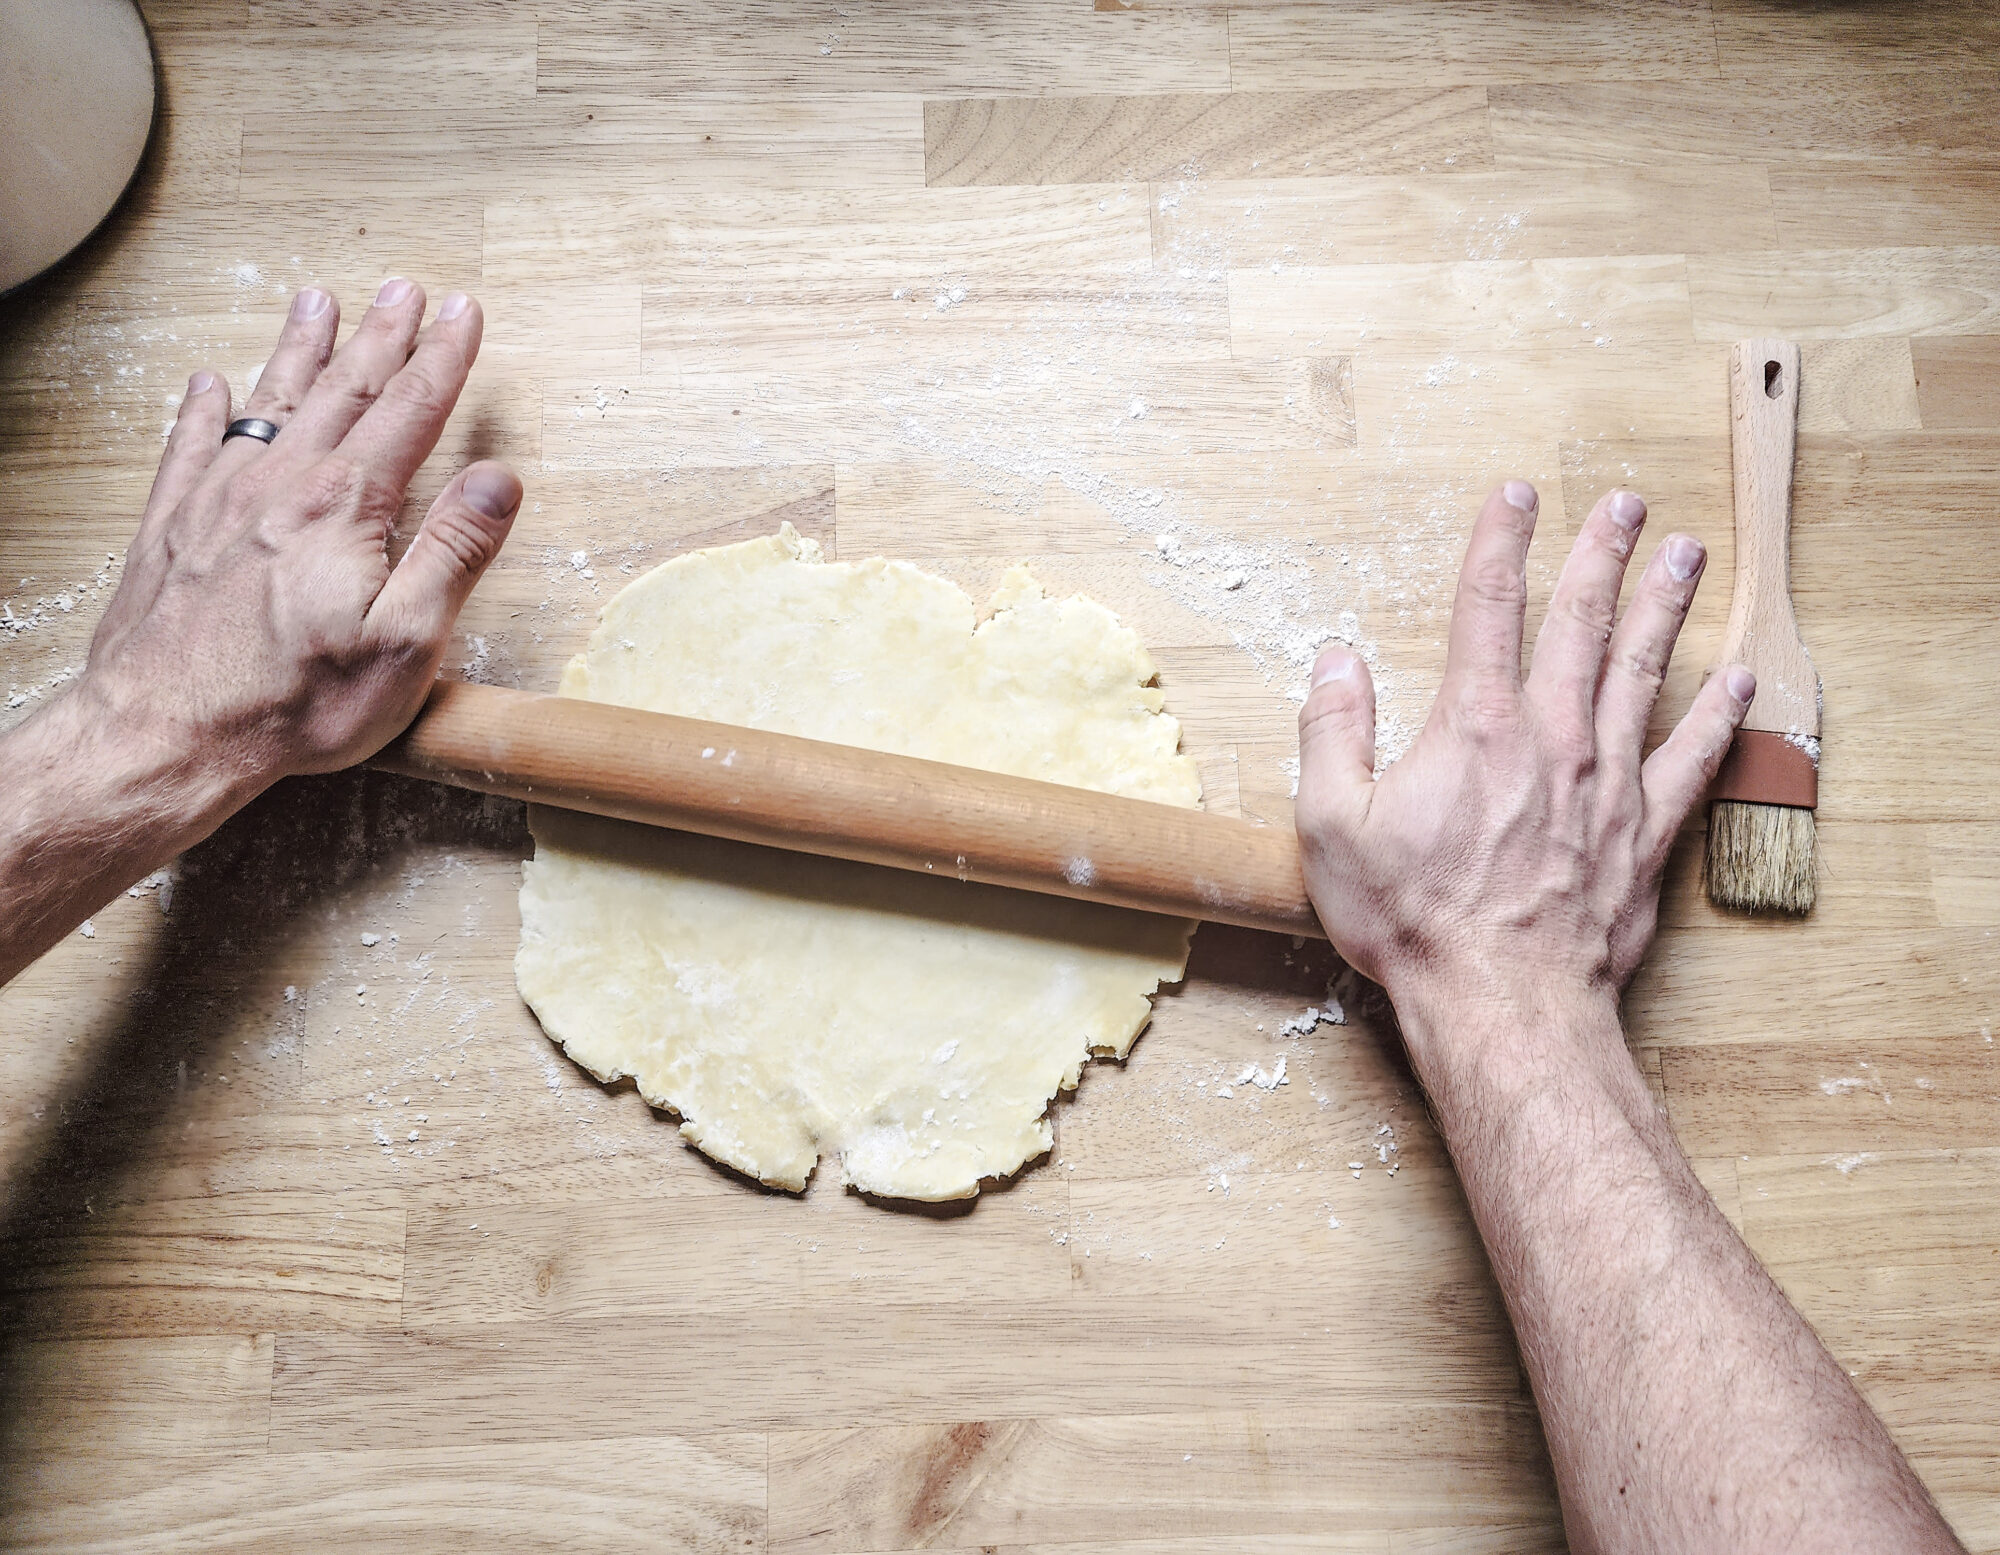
x: 398, y: 431
x: 1488, y: 613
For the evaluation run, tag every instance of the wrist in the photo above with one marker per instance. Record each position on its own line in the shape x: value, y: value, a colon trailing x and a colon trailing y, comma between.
x: 1482, y: 1036
x: 132, y: 759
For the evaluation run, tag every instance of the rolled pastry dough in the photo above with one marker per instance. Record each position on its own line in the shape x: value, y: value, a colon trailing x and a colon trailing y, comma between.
x: 787, y: 1006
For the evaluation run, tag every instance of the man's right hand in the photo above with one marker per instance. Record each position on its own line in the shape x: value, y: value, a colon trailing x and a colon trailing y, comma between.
x: 1518, y: 846
x: 1502, y: 881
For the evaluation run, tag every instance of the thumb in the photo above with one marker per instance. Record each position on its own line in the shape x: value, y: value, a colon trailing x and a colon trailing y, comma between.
x: 463, y: 531
x: 1337, y: 726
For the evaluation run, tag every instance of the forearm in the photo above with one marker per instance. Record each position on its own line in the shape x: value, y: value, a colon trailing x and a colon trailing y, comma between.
x: 94, y: 802
x: 1688, y: 1406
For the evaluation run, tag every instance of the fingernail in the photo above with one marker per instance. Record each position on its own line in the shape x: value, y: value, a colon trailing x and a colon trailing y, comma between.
x: 1740, y: 683
x: 492, y: 489
x: 1627, y: 509
x: 453, y: 305
x: 309, y: 305
x: 1685, y: 555
x: 1334, y: 663
x: 201, y: 383
x: 1520, y: 494
x: 393, y: 291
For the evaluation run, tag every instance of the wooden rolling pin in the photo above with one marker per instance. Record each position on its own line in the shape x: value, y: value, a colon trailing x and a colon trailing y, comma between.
x: 814, y: 797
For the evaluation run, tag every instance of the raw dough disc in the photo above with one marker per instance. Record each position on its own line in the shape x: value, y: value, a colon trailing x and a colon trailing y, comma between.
x: 787, y: 1006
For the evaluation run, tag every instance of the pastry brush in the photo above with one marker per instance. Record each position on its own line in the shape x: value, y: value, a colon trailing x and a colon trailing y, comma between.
x: 1762, y: 842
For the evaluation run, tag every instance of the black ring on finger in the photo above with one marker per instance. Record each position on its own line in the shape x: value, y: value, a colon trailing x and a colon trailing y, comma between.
x: 251, y: 426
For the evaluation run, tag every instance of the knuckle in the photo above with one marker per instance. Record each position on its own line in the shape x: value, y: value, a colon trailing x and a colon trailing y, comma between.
x: 1644, y: 665
x: 273, y: 402
x: 1326, y: 707
x: 1486, y: 708
x: 348, y: 392
x: 1312, y: 816
x: 463, y: 539
x: 1495, y: 580
x: 1594, y: 609
x: 422, y: 388
x: 341, y: 483
x: 330, y: 484
x: 1572, y: 745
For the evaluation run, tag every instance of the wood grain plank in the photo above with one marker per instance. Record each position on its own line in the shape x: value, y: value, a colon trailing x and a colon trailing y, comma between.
x: 1965, y: 874
x: 1911, y: 750
x: 1941, y: 982
x: 1476, y: 305
x: 254, y: 252
x: 1870, y: 205
x: 207, y: 1266
x: 1204, y: 224
x: 1862, y: 385
x: 1272, y: 48
x: 606, y: 1494
x: 111, y: 1399
x: 1026, y: 414
x: 900, y: 508
x: 853, y: 1367
x: 1160, y: 1237
x: 1827, y: 294
x: 929, y: 46
x: 553, y: 327
x: 554, y: 146
x: 1406, y: 395
x: 916, y: 237
x: 1840, y: 484
x: 1100, y: 139
x: 1755, y: 41
x: 1048, y: 320
x: 1958, y: 381
x: 304, y: 61
x: 584, y: 1263
x: 1834, y: 1097
x: 978, y: 1482
x: 1829, y: 116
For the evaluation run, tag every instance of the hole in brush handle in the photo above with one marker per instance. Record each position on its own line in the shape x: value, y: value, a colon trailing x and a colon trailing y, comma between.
x: 1774, y: 380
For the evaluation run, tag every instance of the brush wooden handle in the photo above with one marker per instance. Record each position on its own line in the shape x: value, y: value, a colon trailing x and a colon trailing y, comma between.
x: 1763, y: 630
x: 814, y: 797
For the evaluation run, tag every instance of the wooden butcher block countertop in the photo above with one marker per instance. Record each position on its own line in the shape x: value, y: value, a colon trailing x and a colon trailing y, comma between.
x: 313, y: 1241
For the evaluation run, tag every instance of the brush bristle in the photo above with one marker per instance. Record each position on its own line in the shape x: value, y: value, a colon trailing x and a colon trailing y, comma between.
x: 1762, y: 857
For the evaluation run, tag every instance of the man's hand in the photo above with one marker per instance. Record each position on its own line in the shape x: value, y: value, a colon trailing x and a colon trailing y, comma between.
x: 1520, y: 842
x: 1502, y: 881
x: 259, y: 629
x: 259, y: 626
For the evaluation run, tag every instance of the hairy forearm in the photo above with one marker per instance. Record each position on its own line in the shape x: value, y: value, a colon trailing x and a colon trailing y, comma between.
x: 1688, y: 1405
x: 94, y: 802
